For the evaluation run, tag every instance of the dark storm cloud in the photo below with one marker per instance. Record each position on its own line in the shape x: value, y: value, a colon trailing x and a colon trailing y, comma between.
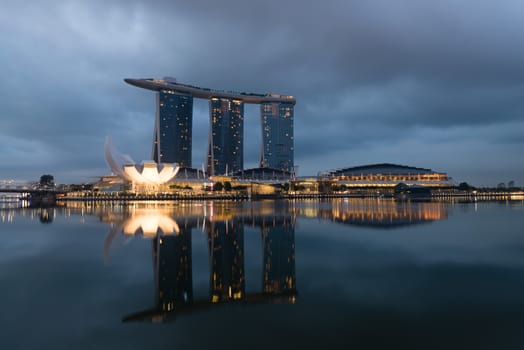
x: 368, y: 75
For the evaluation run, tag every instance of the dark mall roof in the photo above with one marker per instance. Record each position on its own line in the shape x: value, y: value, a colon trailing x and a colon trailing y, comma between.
x: 266, y: 173
x: 189, y: 173
x: 383, y: 168
x: 263, y: 170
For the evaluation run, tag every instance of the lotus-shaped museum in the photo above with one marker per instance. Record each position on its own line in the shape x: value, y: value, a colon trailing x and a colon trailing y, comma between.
x: 150, y: 173
x: 145, y: 173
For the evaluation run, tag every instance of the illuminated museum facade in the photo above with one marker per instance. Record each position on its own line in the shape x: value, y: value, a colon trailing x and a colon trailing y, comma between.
x: 143, y: 177
x: 172, y: 140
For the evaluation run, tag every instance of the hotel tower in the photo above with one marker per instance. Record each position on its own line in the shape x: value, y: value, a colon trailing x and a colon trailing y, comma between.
x: 172, y: 138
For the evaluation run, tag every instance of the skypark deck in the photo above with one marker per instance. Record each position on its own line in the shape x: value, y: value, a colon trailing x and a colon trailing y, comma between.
x: 198, y: 92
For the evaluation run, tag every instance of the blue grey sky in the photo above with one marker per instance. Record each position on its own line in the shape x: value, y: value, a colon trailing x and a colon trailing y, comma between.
x: 435, y: 84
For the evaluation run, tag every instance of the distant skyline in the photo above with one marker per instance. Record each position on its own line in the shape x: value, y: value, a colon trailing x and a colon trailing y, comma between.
x: 429, y: 84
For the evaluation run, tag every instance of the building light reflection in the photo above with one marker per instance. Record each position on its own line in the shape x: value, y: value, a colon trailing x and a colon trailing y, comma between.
x: 225, y: 238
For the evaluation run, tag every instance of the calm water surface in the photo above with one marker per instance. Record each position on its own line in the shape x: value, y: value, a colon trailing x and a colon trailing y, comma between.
x: 265, y: 275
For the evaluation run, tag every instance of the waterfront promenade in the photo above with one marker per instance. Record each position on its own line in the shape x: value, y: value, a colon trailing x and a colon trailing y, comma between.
x: 192, y: 196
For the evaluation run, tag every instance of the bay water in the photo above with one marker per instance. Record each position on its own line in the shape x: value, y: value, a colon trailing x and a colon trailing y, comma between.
x: 341, y: 273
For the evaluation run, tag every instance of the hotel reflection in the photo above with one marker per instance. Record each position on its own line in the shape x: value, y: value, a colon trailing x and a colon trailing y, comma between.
x: 172, y: 269
x: 279, y: 260
x: 226, y: 254
x: 223, y: 225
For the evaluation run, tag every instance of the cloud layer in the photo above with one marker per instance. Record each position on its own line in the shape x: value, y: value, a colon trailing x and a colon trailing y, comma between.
x: 431, y: 84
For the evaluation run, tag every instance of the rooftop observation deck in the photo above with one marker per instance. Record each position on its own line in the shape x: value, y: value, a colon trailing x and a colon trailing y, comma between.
x: 171, y: 84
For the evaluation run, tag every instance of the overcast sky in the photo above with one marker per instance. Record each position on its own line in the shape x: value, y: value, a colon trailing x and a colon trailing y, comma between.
x: 434, y: 84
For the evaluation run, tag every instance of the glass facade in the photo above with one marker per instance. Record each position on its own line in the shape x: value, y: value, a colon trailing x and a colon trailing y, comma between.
x: 226, y: 137
x: 172, y: 142
x: 277, y: 136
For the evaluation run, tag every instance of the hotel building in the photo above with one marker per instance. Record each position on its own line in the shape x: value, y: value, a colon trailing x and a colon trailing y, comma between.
x: 172, y: 141
x: 226, y: 137
x: 277, y: 136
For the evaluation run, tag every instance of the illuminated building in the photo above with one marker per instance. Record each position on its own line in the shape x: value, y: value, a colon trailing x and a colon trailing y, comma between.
x: 226, y: 137
x: 150, y: 172
x: 149, y: 175
x: 387, y: 175
x: 226, y: 253
x: 172, y: 141
x: 173, y: 128
x: 277, y: 136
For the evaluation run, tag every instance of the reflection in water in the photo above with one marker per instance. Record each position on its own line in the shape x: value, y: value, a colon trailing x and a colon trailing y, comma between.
x: 226, y: 253
x: 279, y: 261
x: 383, y: 213
x: 147, y: 218
x: 149, y: 222
x: 421, y: 286
x: 46, y: 215
x: 169, y: 226
x: 172, y: 268
x: 224, y: 226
